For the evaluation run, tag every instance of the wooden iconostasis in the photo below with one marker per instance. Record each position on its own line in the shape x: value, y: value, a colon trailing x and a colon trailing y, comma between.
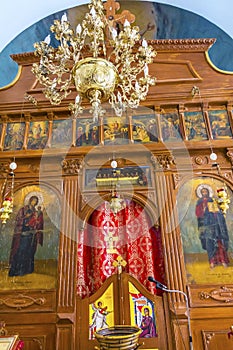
x: 164, y: 173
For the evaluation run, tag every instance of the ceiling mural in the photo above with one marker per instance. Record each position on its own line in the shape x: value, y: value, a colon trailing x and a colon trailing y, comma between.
x: 156, y: 21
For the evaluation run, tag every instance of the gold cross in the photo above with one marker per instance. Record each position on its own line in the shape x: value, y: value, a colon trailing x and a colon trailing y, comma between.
x: 119, y: 263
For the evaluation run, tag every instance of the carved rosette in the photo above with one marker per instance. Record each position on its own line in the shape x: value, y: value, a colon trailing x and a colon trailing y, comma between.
x: 200, y: 160
x: 223, y: 294
x: 121, y: 162
x: 72, y: 166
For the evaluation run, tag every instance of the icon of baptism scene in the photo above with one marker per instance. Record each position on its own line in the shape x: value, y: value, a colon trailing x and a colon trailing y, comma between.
x: 142, y: 313
x: 29, y: 240
x: 205, y: 214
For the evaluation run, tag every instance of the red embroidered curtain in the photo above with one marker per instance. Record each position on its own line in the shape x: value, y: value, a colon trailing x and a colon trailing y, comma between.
x: 107, y: 237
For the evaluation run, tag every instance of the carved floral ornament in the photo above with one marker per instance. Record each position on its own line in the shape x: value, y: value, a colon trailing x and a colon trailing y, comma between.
x: 163, y: 161
x: 230, y: 155
x: 4, y: 168
x: 208, y: 336
x: 72, y: 166
x: 223, y: 294
x: 22, y: 301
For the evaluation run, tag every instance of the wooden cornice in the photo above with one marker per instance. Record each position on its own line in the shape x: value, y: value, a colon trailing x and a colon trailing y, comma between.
x: 179, y: 66
x: 202, y: 44
x: 24, y: 58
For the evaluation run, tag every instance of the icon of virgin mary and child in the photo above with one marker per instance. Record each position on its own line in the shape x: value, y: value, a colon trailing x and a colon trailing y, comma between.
x: 28, y: 233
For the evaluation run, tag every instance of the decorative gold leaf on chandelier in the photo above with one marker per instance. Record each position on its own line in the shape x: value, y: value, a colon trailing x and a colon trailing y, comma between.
x: 103, y: 62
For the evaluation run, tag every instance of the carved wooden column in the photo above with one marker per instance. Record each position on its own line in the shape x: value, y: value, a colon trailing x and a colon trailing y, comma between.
x: 230, y: 114
x: 230, y: 155
x: 68, y: 253
x: 27, y: 118
x: 165, y: 169
x: 50, y: 116
x: 4, y: 125
x: 181, y: 109
x: 163, y: 163
x: 4, y: 168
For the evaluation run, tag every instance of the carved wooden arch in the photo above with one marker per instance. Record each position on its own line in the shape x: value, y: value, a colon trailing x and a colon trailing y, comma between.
x: 221, y: 178
x: 20, y: 185
x: 181, y: 180
x: 144, y: 201
x: 46, y: 186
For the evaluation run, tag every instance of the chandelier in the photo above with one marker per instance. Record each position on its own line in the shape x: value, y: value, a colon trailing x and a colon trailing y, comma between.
x: 104, y: 58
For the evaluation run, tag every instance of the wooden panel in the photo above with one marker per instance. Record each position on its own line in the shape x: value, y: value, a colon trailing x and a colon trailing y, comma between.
x: 122, y: 312
x: 217, y: 340
x: 209, y: 296
x: 64, y: 336
x: 35, y: 337
x: 182, y: 71
x: 30, y: 301
x: 212, y: 333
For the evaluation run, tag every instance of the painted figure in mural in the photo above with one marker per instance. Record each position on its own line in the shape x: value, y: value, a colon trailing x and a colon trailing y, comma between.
x: 87, y: 133
x: 28, y: 233
x: 212, y: 227
x: 38, y: 135
x: 152, y: 130
x: 147, y: 325
x: 99, y: 317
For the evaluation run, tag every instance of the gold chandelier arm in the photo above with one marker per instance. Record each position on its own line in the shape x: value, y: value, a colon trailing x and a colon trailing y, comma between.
x: 95, y: 24
x: 103, y: 63
x: 56, y: 89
